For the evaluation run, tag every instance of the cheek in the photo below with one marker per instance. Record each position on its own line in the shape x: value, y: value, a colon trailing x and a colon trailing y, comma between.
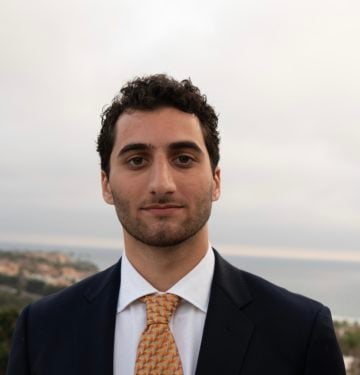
x: 130, y: 195
x: 196, y: 187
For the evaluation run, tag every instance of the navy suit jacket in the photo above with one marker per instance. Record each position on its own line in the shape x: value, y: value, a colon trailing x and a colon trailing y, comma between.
x: 252, y: 327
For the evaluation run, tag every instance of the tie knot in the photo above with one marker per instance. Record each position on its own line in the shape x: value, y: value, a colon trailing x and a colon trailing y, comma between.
x: 160, y: 307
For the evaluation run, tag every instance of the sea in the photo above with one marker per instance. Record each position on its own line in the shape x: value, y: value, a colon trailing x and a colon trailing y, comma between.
x: 335, y: 283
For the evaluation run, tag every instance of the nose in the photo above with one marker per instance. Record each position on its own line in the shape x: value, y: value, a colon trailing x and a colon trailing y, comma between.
x: 161, y: 177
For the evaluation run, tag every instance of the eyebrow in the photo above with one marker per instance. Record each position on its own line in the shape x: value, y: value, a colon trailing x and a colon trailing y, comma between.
x: 185, y: 144
x: 134, y: 147
x: 172, y: 146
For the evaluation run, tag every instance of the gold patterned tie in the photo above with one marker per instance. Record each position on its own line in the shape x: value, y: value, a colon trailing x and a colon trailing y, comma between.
x: 157, y: 353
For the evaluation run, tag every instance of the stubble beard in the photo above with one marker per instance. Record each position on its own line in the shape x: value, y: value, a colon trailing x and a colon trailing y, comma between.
x: 164, y: 232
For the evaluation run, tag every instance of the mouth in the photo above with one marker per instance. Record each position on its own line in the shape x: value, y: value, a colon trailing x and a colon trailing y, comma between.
x: 162, y: 209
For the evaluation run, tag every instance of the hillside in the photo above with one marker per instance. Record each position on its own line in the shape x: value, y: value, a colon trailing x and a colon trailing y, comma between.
x: 37, y: 273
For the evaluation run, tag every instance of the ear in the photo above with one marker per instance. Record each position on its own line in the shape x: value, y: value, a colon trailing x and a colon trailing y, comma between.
x: 106, y: 191
x: 217, y: 185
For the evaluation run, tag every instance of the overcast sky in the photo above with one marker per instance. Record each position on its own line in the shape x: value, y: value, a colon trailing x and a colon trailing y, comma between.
x: 283, y: 75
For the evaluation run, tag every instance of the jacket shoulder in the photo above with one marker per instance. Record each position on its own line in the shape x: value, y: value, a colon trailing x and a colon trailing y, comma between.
x: 268, y: 290
x: 74, y: 296
x: 291, y: 330
x: 266, y: 297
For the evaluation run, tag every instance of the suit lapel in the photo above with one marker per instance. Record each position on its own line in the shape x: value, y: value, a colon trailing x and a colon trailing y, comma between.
x: 227, y: 330
x: 95, y: 324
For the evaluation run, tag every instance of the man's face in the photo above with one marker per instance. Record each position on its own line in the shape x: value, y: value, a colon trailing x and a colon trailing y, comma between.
x: 160, y: 179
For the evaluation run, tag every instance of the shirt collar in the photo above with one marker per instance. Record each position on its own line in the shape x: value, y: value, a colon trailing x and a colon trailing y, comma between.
x: 194, y: 287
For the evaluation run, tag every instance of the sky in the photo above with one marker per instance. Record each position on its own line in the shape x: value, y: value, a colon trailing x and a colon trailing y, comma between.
x: 283, y: 76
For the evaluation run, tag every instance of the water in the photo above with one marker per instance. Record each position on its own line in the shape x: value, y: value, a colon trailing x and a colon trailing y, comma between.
x: 335, y: 284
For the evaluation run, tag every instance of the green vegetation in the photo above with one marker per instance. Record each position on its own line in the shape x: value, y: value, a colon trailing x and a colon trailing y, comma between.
x: 12, y: 281
x: 13, y: 255
x: 11, y: 305
x: 33, y: 286
x: 9, y: 299
x: 8, y: 318
x: 349, y: 339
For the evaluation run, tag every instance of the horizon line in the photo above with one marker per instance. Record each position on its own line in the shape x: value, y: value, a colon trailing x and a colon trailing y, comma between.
x: 270, y: 251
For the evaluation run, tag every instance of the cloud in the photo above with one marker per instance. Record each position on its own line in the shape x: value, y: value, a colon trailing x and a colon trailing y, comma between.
x: 284, y: 77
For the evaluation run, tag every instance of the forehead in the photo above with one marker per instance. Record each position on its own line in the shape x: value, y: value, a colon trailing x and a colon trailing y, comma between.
x: 158, y: 128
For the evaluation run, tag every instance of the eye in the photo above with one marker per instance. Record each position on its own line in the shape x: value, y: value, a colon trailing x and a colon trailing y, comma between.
x: 184, y: 160
x: 136, y: 162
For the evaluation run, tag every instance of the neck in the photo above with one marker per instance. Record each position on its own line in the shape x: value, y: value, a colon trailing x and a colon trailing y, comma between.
x: 163, y: 267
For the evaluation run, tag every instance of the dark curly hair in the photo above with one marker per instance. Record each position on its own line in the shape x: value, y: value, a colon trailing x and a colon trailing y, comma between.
x: 152, y: 92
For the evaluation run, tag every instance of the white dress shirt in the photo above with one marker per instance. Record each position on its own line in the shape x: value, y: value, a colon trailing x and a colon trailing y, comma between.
x: 186, y: 324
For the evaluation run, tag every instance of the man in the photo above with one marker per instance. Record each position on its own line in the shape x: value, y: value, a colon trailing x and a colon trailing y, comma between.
x: 159, y: 150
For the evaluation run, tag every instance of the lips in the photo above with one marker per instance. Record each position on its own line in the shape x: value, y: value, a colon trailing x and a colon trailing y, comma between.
x: 162, y: 209
x: 161, y: 206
